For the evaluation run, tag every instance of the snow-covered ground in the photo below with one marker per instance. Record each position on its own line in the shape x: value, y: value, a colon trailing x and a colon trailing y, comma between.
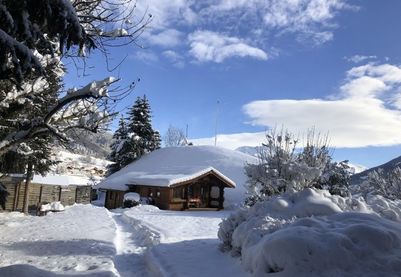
x: 85, y: 240
x: 314, y: 233
x: 80, y: 239
x: 187, y: 243
x: 76, y: 164
x: 309, y: 233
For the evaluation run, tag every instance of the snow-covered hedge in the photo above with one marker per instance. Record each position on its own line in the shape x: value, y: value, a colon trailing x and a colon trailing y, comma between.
x: 314, y: 233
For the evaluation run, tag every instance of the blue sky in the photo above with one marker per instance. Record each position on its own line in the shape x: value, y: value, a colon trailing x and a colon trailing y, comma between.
x: 254, y: 64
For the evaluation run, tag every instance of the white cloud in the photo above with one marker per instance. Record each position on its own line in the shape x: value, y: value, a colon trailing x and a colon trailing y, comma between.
x: 165, y: 14
x: 210, y: 46
x: 307, y: 18
x: 233, y: 141
x: 145, y: 56
x: 359, y: 58
x: 259, y: 21
x: 166, y: 38
x: 175, y: 58
x: 366, y: 112
x: 361, y: 116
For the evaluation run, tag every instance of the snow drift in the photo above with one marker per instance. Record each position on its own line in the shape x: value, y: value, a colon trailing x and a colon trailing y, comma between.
x: 314, y: 233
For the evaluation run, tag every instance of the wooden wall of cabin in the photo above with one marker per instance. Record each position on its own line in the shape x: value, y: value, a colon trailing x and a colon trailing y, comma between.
x: 114, y: 199
x: 160, y: 195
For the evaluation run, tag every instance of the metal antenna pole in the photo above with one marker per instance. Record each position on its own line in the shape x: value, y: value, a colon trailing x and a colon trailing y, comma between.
x: 215, y: 126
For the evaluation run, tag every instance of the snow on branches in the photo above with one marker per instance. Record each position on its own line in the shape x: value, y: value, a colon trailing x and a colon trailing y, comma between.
x: 61, y: 27
x: 81, y: 109
x: 284, y: 167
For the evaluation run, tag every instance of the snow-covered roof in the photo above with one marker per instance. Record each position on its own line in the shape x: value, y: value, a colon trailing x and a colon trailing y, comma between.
x: 174, y: 165
x: 61, y: 180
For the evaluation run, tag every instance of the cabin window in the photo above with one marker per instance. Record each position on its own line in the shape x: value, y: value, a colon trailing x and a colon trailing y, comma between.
x: 150, y: 192
x: 215, y: 192
x: 191, y: 191
x: 179, y: 193
x: 157, y: 193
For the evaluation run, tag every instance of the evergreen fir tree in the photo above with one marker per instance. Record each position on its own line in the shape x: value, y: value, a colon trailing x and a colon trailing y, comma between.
x: 141, y: 138
x: 119, y: 147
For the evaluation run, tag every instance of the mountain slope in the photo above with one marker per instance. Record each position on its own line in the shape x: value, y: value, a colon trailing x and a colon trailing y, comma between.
x: 387, y: 167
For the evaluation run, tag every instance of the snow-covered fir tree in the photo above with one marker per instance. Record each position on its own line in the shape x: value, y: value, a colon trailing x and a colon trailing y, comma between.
x: 135, y: 138
x: 143, y: 138
x: 119, y: 147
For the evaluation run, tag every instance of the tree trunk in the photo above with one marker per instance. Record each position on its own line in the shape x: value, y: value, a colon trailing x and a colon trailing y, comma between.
x: 29, y: 175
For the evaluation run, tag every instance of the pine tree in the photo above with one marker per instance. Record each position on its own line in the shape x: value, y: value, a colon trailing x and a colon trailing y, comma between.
x: 119, y: 147
x: 142, y: 138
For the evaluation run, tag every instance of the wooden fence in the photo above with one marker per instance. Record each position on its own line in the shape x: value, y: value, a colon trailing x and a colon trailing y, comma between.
x: 42, y: 193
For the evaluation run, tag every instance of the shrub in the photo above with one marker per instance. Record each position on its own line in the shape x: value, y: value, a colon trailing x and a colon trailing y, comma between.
x: 283, y: 167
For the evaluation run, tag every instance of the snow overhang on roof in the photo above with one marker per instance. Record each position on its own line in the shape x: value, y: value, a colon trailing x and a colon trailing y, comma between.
x: 172, y: 166
x: 200, y: 174
x: 167, y: 180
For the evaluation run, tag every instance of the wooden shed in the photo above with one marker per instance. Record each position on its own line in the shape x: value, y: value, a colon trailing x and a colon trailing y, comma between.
x: 201, y: 190
x: 66, y: 189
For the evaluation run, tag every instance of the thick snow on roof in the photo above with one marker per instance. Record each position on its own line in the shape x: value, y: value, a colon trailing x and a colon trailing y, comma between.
x: 167, y: 166
x: 61, y: 180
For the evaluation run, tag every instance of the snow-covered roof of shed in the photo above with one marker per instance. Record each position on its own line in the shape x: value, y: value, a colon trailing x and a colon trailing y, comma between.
x: 173, y: 165
x: 61, y: 180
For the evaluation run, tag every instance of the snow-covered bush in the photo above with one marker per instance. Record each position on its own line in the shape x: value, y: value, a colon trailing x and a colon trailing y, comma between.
x: 131, y: 199
x: 314, y: 233
x: 283, y: 167
x: 381, y: 183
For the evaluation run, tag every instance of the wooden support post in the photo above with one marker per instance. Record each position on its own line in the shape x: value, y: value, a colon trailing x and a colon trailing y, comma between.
x: 187, y: 198
x: 29, y: 175
x: 221, y: 197
x: 40, y: 194
x: 59, y: 193
x: 16, y: 195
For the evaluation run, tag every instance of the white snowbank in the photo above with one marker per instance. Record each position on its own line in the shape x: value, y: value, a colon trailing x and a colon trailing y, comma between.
x: 79, y: 240
x: 133, y: 196
x: 166, y: 166
x: 53, y: 206
x: 61, y: 180
x: 312, y: 233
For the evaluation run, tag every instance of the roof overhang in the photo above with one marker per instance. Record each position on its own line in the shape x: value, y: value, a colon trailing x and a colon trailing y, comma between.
x: 227, y: 181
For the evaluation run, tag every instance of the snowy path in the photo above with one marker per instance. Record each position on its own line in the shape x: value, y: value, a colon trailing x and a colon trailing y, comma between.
x: 188, y: 243
x: 76, y: 241
x: 93, y: 242
x: 129, y: 260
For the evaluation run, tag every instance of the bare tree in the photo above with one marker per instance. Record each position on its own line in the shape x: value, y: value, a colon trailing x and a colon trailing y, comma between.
x: 174, y: 137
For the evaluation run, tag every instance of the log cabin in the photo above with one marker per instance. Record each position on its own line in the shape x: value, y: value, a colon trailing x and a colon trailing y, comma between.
x: 177, y: 178
x: 201, y: 190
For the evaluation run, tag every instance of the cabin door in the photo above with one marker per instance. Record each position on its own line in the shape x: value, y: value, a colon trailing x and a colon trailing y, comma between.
x: 214, y: 196
x: 204, y: 195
